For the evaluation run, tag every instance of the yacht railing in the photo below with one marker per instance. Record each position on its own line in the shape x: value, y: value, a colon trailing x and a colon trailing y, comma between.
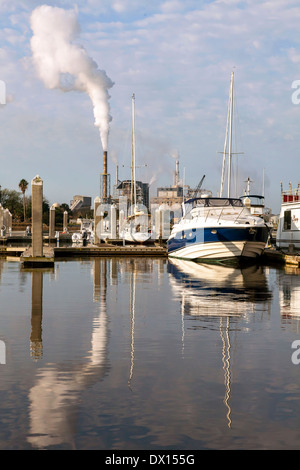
x: 218, y: 213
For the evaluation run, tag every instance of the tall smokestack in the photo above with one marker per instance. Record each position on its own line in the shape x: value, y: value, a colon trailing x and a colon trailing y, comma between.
x: 104, y: 187
x: 176, y: 174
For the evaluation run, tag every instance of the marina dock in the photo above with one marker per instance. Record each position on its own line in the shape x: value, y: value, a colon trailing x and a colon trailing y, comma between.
x: 17, y: 246
x: 75, y: 251
x: 109, y: 250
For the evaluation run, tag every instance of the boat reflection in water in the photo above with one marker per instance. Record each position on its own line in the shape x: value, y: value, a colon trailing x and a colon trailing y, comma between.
x: 215, y: 290
x: 223, y: 295
x: 289, y: 295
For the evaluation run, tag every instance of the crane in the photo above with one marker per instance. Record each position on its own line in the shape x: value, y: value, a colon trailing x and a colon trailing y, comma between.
x: 199, y: 186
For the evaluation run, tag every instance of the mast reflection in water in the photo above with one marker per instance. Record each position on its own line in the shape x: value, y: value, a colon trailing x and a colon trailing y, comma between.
x: 55, y: 394
x: 220, y: 293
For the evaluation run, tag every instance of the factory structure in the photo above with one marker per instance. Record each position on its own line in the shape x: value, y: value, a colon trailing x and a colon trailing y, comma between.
x: 178, y: 192
x: 125, y: 189
x: 170, y: 195
x: 167, y: 196
x: 105, y: 181
x: 80, y: 205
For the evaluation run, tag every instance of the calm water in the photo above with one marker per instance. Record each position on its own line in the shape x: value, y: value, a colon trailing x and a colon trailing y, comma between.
x: 147, y: 354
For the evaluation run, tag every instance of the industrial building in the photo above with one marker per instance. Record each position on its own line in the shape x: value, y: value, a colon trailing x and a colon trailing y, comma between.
x: 80, y: 205
x: 170, y: 195
x: 179, y: 191
x: 125, y: 188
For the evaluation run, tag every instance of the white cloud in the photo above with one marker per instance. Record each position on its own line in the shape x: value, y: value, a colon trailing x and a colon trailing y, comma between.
x: 294, y: 55
x: 172, y: 6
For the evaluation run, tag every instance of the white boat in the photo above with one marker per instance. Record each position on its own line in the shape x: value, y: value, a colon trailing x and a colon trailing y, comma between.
x: 86, y: 233
x: 218, y: 229
x: 288, y: 230
x: 256, y: 202
x: 136, y: 227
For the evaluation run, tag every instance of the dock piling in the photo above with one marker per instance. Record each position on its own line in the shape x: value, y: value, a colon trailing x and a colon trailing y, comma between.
x: 36, y: 256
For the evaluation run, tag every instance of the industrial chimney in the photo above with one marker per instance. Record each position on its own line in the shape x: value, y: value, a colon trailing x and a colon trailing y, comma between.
x: 117, y: 175
x: 104, y: 183
x: 176, y: 174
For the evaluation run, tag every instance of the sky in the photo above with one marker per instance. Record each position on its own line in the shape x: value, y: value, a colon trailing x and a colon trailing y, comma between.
x: 177, y: 58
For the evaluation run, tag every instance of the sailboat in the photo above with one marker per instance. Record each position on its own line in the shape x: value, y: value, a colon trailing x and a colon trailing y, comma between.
x: 218, y: 229
x: 136, y: 227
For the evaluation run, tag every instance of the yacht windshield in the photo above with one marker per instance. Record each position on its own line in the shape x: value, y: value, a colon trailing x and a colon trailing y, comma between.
x: 213, y: 202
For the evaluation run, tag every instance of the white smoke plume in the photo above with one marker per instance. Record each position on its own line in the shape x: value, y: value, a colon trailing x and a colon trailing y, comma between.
x: 174, y: 154
x: 62, y: 64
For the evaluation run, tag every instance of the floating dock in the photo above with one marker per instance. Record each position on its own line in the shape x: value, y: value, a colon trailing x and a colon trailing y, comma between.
x: 60, y: 252
x: 21, y: 246
x: 29, y: 260
x: 109, y: 250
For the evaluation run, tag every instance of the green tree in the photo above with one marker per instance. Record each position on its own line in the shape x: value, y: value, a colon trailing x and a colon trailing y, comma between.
x: 46, y: 209
x: 12, y: 200
x: 59, y: 213
x: 23, y: 185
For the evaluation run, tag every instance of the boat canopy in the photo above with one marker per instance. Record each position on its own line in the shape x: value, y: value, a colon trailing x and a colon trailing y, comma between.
x: 258, y: 196
x: 214, y: 202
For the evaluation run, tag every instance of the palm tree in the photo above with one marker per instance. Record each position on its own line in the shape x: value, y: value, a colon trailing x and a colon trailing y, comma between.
x: 23, y: 185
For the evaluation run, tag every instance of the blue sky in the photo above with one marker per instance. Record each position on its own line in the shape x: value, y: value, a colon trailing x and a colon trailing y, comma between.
x: 177, y: 57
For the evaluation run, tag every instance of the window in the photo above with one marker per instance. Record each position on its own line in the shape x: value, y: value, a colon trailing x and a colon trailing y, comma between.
x: 287, y: 221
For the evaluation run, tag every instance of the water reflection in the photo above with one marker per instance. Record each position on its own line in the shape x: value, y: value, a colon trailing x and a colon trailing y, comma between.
x: 36, y: 344
x: 55, y: 395
x: 226, y: 347
x: 127, y: 355
x: 288, y: 280
x: 213, y: 290
x: 132, y: 320
x: 222, y: 295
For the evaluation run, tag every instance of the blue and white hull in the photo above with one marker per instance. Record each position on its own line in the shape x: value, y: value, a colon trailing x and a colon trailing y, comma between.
x: 216, y: 244
x: 217, y: 229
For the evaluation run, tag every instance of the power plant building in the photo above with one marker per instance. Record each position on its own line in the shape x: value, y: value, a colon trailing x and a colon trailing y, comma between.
x: 125, y: 188
x: 170, y: 194
x: 80, y: 205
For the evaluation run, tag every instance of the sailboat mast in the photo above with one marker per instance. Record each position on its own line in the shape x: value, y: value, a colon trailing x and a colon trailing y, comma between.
x: 228, y: 125
x: 224, y: 154
x: 133, y: 185
x: 230, y: 134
